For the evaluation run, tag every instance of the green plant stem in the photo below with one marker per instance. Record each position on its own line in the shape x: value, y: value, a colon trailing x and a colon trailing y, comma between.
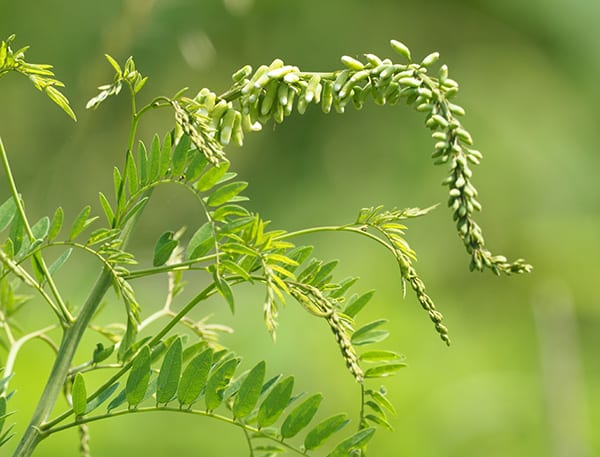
x: 207, y: 292
x: 60, y: 308
x: 246, y: 427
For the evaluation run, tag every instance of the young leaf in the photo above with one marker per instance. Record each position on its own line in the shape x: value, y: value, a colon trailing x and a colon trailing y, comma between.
x: 108, y: 211
x: 60, y: 261
x: 56, y: 224
x: 7, y: 212
x: 202, y: 241
x: 143, y: 163
x: 131, y: 174
x: 180, y: 155
x: 368, y: 334
x: 101, y: 398
x: 225, y: 290
x: 301, y: 416
x: 79, y: 395
x: 356, y: 441
x: 357, y: 303
x: 40, y: 228
x: 226, y: 193
x: 168, y: 377
x: 217, y: 383
x: 379, y: 420
x: 276, y: 401
x: 2, y: 411
x: 380, y: 356
x: 165, y: 155
x: 154, y: 159
x: 249, y: 392
x: 80, y: 222
x: 140, y: 204
x: 324, y: 272
x: 164, y: 248
x: 17, y: 234
x: 102, y: 353
x: 381, y: 400
x: 139, y: 377
x: 383, y: 371
x: 317, y: 436
x: 211, y: 177
x: 194, y: 378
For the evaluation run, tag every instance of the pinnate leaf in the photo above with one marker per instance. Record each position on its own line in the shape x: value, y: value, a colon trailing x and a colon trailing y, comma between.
x: 194, y: 377
x: 218, y: 381
x: 249, y: 392
x: 170, y: 370
x: 301, y: 416
x: 79, y: 395
x: 322, y: 431
x: 275, y: 402
x: 139, y: 378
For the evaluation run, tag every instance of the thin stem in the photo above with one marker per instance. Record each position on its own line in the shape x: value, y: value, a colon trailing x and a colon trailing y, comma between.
x: 149, y: 409
x: 60, y: 307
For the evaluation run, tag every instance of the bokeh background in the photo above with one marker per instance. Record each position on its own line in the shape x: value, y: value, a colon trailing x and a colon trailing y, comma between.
x: 523, y: 374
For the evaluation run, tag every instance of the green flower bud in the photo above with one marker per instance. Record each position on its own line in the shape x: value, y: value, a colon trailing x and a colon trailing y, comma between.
x: 352, y: 63
x: 401, y: 49
x: 430, y: 59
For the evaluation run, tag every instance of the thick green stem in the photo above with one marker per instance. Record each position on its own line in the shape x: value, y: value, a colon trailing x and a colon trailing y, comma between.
x: 70, y: 341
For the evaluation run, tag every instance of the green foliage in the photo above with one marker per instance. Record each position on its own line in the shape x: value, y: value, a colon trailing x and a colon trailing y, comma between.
x: 230, y: 246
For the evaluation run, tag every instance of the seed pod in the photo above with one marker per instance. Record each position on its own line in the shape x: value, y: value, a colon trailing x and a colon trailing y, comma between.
x: 341, y: 80
x: 425, y: 107
x: 270, y: 94
x: 249, y: 87
x: 464, y: 136
x: 439, y: 120
x: 373, y: 60
x: 439, y: 136
x: 282, y: 94
x: 430, y: 59
x: 242, y: 73
x: 301, y: 105
x: 279, y: 113
x: 401, y: 49
x: 409, y: 82
x: 352, y: 63
x: 290, y: 104
x: 238, y: 131
x: 443, y: 74
x: 218, y: 112
x: 456, y: 109
x: 355, y: 79
x: 280, y: 72
x: 291, y: 78
x: 227, y: 126
x: 311, y: 89
x: 327, y: 96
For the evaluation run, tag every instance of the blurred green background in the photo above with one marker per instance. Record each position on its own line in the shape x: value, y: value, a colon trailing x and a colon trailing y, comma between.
x: 523, y: 374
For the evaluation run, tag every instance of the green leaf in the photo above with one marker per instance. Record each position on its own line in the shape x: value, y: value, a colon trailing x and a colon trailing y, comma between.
x: 154, y: 159
x: 2, y: 411
x: 322, y: 431
x: 17, y: 234
x: 139, y: 206
x: 7, y: 212
x: 131, y: 174
x: 211, y: 177
x: 180, y: 155
x: 368, y: 334
x: 356, y: 441
x: 168, y: 376
x: 164, y: 248
x: 195, y: 168
x: 378, y: 420
x: 217, y: 383
x: 201, y: 243
x: 139, y: 377
x: 40, y: 228
x: 101, y: 398
x: 118, y: 400
x: 225, y: 290
x: 357, y: 303
x: 225, y: 193
x: 223, y: 212
x: 143, y: 163
x: 382, y: 400
x: 102, y: 353
x: 108, y: 211
x: 56, y: 224
x: 80, y: 222
x: 383, y: 371
x: 249, y: 392
x: 79, y: 395
x: 300, y: 416
x: 114, y: 64
x: 380, y: 356
x: 60, y: 261
x: 194, y: 378
x: 275, y: 402
x: 165, y: 155
x: 323, y: 275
